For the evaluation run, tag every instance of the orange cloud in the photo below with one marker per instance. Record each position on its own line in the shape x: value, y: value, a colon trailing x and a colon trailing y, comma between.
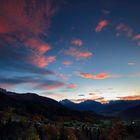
x: 77, y: 42
x: 79, y: 100
x: 99, y: 99
x: 135, y: 97
x: 102, y: 24
x: 67, y: 63
x: 98, y: 76
x: 87, y: 75
x: 72, y: 86
x: 78, y: 54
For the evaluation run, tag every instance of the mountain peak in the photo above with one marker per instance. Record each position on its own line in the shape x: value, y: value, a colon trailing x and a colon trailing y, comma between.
x: 66, y: 101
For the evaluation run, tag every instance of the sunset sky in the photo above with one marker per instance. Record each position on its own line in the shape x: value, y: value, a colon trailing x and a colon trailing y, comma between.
x: 74, y: 49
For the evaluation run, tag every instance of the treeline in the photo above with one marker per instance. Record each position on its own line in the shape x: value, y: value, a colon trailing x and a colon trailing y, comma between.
x: 19, y: 127
x: 34, y: 131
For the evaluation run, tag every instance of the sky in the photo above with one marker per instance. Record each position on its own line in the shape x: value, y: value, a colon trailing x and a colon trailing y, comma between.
x: 74, y: 49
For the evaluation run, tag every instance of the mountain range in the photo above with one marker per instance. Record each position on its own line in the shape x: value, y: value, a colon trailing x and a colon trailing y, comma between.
x: 121, y: 108
x: 30, y: 104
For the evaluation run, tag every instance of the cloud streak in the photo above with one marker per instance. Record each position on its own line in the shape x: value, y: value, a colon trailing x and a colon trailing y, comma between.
x: 134, y: 97
x: 124, y: 29
x: 67, y: 63
x: 72, y: 86
x: 38, y: 83
x: 131, y: 63
x: 91, y: 76
x: 78, y: 54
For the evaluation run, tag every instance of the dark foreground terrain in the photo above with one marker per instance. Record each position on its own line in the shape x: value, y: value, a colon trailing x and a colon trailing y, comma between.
x: 32, y: 117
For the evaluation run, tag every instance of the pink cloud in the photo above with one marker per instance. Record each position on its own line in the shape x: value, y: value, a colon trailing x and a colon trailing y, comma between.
x: 72, y: 86
x: 55, y: 86
x: 50, y: 85
x: 27, y: 21
x: 123, y: 28
x: 38, y: 45
x: 41, y: 61
x: 102, y: 24
x: 78, y: 54
x: 102, y: 76
x: 136, y: 37
x: 7, y: 86
x: 38, y: 49
x: 27, y: 16
x: 77, y: 42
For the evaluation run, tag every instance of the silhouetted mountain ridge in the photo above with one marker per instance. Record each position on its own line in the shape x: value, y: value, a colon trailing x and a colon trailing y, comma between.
x: 33, y: 104
x: 113, y: 108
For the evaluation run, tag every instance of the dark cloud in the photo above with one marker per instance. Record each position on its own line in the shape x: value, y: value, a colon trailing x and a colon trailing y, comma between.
x: 81, y: 95
x: 33, y: 82
x: 49, y: 85
x: 91, y: 93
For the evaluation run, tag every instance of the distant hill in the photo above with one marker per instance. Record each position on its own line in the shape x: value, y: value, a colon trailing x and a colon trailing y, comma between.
x: 32, y: 104
x: 6, y: 101
x: 89, y: 105
x: 131, y: 113
x: 113, y: 108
